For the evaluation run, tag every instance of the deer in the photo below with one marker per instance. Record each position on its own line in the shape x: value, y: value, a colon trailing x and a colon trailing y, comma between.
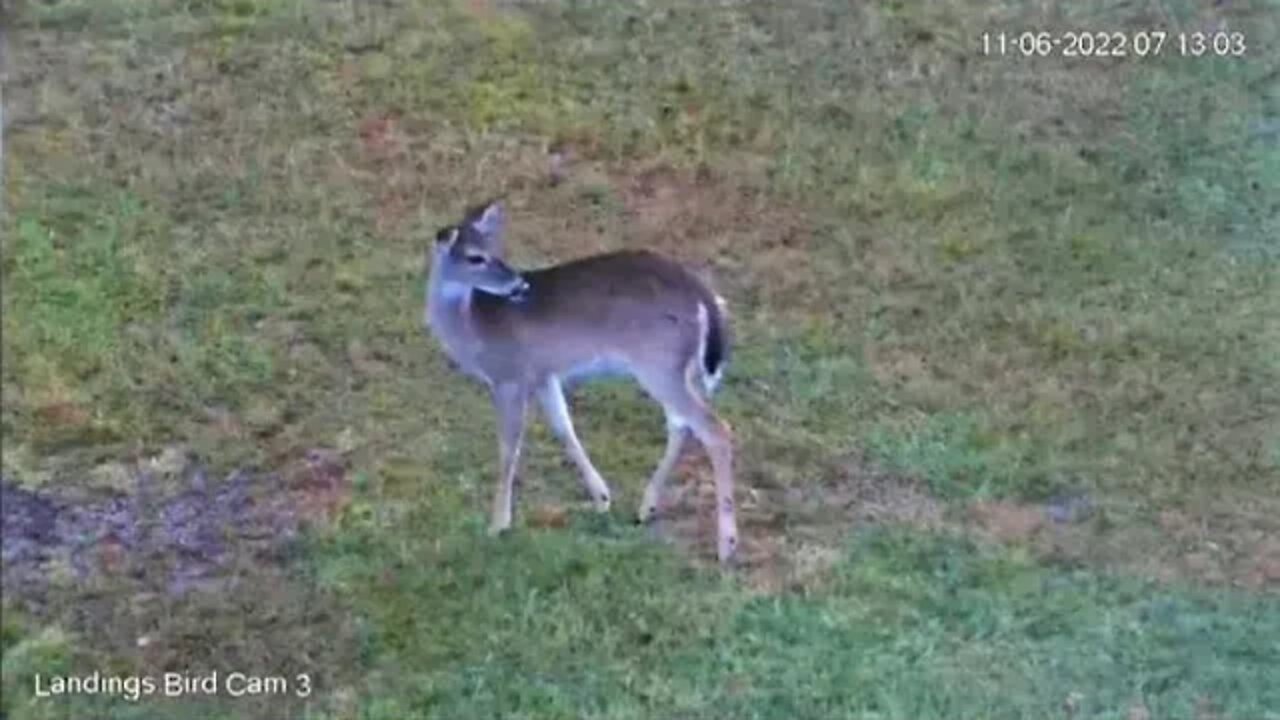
x: 531, y: 335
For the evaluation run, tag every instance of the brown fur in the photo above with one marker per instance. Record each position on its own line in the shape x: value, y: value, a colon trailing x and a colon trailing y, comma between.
x: 524, y: 334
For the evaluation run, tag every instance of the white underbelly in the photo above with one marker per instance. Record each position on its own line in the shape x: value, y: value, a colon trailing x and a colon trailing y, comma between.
x: 601, y: 367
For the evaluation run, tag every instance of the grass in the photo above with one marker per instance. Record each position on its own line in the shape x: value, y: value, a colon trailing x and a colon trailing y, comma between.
x: 908, y: 627
x: 1000, y: 278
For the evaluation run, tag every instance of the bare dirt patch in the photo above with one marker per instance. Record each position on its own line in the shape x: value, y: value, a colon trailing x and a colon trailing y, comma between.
x: 1222, y: 542
x: 762, y: 246
x: 676, y: 210
x: 792, y: 537
x: 1210, y: 546
x: 564, y: 202
x: 1007, y: 521
x: 169, y: 568
x: 164, y: 538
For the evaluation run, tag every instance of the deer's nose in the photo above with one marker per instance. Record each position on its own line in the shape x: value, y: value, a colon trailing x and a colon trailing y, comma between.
x: 520, y: 291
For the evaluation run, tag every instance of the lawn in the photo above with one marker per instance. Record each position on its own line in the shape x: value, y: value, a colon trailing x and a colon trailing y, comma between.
x: 1005, y: 393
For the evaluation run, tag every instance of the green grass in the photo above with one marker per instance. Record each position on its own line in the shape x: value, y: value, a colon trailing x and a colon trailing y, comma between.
x: 999, y: 278
x: 907, y: 627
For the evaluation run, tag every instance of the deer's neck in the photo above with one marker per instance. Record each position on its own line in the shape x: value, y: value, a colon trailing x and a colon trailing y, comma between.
x: 448, y: 314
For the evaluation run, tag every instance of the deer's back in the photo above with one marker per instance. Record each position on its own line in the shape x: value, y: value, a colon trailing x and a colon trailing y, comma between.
x: 598, y: 312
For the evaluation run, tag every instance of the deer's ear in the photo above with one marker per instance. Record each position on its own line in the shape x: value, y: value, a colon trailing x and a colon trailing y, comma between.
x: 447, y: 236
x: 489, y: 221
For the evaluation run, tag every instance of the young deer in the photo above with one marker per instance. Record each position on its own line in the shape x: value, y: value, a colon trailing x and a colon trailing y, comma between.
x: 533, y: 333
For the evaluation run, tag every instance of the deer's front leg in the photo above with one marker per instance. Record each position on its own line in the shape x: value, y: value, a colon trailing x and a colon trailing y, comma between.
x: 509, y: 401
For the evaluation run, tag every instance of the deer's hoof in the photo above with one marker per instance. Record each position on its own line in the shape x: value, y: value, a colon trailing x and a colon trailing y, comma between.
x: 727, y: 550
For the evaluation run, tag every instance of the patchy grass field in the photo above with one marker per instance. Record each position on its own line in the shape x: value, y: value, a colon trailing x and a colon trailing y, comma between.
x: 1007, y: 390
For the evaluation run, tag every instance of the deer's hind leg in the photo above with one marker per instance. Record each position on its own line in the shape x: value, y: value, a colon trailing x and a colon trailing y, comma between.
x: 686, y: 405
x: 677, y: 432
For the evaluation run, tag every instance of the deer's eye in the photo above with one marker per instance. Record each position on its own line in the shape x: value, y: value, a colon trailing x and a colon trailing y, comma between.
x: 475, y: 259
